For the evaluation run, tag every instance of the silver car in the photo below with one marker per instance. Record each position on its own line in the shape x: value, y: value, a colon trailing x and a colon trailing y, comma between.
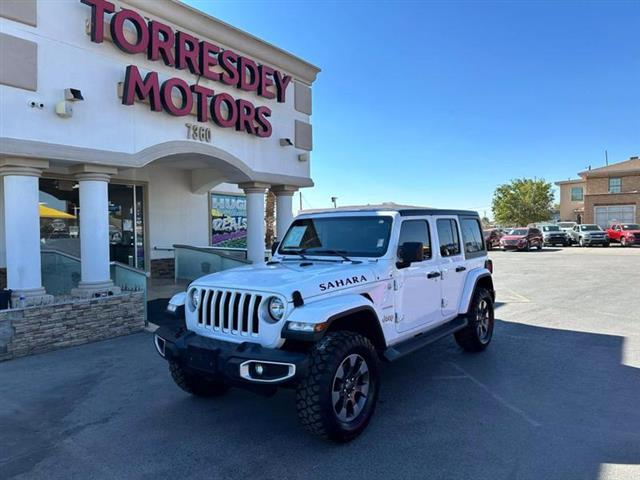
x: 554, y: 235
x: 589, y: 234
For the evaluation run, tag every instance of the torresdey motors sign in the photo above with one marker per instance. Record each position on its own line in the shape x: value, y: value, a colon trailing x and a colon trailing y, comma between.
x: 184, y: 51
x: 228, y: 220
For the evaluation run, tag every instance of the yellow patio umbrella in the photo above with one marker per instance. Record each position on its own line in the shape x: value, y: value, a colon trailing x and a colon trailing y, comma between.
x: 48, y: 212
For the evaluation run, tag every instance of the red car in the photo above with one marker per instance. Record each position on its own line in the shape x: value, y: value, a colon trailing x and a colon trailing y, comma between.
x: 625, y: 233
x: 492, y: 238
x: 522, y: 239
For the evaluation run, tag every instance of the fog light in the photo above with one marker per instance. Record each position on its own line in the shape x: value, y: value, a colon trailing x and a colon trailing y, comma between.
x: 259, y: 369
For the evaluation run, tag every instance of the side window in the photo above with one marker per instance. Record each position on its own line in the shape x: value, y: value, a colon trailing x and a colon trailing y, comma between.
x: 448, y: 237
x: 416, y: 231
x: 471, y: 235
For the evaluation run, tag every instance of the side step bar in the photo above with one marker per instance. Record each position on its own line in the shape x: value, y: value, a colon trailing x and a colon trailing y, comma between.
x: 409, y: 346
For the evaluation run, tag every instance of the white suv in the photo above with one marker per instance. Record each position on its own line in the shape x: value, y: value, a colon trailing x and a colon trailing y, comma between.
x: 344, y: 290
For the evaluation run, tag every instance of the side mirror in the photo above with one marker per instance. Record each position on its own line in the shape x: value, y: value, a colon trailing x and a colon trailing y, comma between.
x: 410, y: 252
x: 274, y: 247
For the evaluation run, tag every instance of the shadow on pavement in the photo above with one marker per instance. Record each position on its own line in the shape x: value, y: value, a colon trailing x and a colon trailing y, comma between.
x: 540, y: 403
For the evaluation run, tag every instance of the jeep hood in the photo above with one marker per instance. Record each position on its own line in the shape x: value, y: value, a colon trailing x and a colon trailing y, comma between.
x: 310, y: 278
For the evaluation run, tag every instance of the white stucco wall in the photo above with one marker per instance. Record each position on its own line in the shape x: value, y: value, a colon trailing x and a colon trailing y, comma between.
x: 68, y: 58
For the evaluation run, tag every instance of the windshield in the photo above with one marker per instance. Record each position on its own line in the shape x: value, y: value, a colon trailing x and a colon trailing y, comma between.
x: 352, y: 236
x: 518, y: 231
x: 566, y: 224
x: 631, y: 226
x: 550, y: 228
x: 590, y: 228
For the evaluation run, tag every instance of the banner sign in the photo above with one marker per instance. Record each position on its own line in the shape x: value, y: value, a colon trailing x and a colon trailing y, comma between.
x: 228, y: 220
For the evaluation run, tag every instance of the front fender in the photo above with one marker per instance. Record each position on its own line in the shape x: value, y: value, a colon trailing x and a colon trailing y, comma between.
x: 472, y: 280
x: 326, y: 310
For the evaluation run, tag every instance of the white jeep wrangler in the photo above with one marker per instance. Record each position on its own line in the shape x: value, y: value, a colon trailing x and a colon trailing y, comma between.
x: 344, y: 289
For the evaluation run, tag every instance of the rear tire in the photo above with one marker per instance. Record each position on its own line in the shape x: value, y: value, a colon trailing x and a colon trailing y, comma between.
x: 196, y: 384
x: 477, y: 335
x: 338, y: 397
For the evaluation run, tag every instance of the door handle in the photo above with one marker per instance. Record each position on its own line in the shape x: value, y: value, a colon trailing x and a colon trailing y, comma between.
x: 433, y: 274
x: 460, y: 269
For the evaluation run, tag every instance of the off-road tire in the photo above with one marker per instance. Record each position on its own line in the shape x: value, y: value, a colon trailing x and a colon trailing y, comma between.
x: 195, y: 384
x: 469, y: 338
x: 314, y: 393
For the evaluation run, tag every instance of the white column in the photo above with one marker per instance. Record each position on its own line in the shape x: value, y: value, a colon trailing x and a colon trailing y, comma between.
x: 22, y: 229
x: 3, y: 258
x: 284, y: 208
x: 255, y: 220
x: 94, y: 231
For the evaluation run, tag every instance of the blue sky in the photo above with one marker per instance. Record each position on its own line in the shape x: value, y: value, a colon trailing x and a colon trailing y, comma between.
x: 436, y: 103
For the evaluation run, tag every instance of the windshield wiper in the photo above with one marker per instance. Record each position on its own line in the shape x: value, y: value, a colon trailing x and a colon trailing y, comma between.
x: 295, y: 251
x: 340, y: 253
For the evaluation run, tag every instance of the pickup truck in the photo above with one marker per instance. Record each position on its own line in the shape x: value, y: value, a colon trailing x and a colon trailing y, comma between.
x: 624, y: 233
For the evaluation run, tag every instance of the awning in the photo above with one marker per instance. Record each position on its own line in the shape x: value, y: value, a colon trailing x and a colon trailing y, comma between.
x: 48, y: 212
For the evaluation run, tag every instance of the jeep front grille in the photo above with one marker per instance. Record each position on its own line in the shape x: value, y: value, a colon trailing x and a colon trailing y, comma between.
x: 229, y: 311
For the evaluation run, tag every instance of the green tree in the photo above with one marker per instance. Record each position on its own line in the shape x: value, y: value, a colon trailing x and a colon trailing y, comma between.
x: 523, y: 201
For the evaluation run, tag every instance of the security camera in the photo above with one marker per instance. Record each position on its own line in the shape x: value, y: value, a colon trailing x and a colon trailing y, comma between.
x: 285, y: 142
x: 64, y: 109
x: 73, y: 94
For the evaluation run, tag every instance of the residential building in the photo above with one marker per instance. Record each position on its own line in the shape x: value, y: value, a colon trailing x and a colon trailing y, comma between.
x: 603, y: 195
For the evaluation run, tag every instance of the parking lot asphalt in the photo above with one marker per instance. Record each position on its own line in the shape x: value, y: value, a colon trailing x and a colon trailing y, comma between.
x: 556, y: 396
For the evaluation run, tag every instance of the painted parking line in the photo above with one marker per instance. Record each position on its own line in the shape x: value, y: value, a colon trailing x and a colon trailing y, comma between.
x: 506, y: 295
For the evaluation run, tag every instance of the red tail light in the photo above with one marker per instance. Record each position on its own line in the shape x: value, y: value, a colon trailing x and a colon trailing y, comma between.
x: 488, y: 264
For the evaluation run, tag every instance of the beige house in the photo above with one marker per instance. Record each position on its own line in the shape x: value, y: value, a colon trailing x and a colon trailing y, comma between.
x: 603, y: 195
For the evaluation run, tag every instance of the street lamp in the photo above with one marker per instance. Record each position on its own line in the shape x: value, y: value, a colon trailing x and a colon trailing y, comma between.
x: 333, y: 200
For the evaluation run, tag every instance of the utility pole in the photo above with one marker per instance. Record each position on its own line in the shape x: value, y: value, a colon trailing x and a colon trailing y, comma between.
x: 606, y: 158
x: 300, y: 200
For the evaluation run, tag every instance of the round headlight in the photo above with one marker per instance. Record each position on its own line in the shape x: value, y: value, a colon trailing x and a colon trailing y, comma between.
x: 276, y: 308
x: 194, y: 297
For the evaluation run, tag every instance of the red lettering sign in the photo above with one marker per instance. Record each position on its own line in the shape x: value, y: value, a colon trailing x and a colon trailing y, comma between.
x: 184, y: 51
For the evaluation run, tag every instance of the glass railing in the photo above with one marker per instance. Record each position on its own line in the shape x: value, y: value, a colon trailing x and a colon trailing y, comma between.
x: 60, y: 271
x: 194, y: 262
x: 130, y: 279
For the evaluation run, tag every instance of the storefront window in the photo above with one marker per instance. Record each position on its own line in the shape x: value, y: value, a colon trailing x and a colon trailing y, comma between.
x: 228, y: 221
x: 59, y: 210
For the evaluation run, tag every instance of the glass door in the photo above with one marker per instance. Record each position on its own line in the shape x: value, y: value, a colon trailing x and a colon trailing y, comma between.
x: 126, y: 225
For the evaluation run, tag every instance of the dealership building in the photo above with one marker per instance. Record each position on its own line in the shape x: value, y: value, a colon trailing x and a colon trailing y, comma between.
x: 126, y: 127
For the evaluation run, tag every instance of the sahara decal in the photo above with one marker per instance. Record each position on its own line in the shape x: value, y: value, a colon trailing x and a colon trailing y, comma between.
x: 342, y: 283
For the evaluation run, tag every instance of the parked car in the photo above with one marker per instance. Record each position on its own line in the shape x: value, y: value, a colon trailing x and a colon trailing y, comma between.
x: 492, y: 238
x: 553, y: 235
x: 589, y: 234
x: 566, y: 227
x: 624, y: 233
x: 344, y: 290
x: 523, y: 238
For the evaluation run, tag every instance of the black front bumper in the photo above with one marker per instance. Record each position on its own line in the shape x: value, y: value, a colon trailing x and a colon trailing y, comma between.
x: 233, y: 363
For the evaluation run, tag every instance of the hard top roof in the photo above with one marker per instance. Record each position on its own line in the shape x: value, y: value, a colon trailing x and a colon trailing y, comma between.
x: 403, y: 210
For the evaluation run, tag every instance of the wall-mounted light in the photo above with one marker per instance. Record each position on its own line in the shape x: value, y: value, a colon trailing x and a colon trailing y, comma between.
x: 73, y: 94
x: 303, y: 157
x: 285, y: 142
